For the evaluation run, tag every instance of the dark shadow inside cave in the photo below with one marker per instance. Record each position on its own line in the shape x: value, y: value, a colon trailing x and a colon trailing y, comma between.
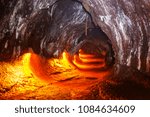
x: 97, y: 43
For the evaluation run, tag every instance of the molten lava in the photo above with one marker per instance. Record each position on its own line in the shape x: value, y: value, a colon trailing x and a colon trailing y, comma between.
x: 63, y: 61
x: 26, y: 63
x: 34, y: 77
x: 85, y: 61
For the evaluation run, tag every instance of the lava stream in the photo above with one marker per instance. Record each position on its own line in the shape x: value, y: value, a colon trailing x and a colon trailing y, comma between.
x: 85, y: 61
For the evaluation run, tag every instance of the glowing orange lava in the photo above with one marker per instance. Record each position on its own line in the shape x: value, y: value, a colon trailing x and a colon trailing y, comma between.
x: 66, y: 65
x: 63, y: 61
x: 34, y: 77
x: 58, y: 69
x: 86, y: 61
x: 26, y: 63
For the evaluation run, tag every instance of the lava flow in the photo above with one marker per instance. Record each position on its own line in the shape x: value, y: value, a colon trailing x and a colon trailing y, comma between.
x: 34, y: 77
x: 66, y: 67
x: 85, y: 61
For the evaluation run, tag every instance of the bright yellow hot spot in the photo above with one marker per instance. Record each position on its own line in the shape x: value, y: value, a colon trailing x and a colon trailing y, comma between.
x: 26, y: 63
x: 62, y: 62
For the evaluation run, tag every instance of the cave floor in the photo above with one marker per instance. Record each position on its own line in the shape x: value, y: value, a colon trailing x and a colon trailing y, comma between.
x: 32, y: 77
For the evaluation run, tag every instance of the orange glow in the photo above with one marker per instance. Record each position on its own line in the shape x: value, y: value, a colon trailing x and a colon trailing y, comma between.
x: 26, y: 63
x: 85, y: 66
x: 86, y: 61
x: 82, y: 55
x: 80, y: 61
x: 62, y: 62
x: 65, y: 62
x: 89, y: 60
x: 34, y: 65
x: 33, y: 76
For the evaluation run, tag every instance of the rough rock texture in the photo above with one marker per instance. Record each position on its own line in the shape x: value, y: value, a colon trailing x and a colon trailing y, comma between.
x: 126, y: 23
x: 49, y: 28
x: 46, y: 26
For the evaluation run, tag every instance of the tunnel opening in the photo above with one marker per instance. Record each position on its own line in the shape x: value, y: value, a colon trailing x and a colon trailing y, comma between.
x: 72, y: 29
x: 89, y: 38
x: 94, y: 51
x: 81, y: 49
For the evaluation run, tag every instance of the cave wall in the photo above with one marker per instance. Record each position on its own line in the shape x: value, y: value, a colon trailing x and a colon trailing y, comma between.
x: 127, y: 24
x: 45, y: 26
x: 22, y: 22
x: 48, y: 28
